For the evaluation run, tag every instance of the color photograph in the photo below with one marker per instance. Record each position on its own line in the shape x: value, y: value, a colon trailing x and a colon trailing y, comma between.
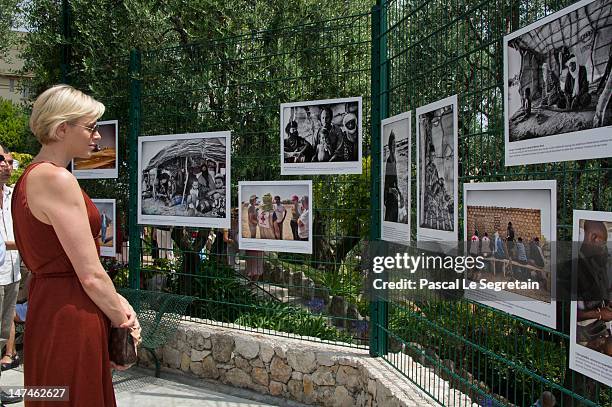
x: 184, y: 180
x: 437, y: 183
x: 512, y: 225
x: 321, y: 137
x: 395, y: 182
x: 108, y: 227
x: 275, y: 216
x: 103, y: 161
x: 558, y: 86
x: 591, y: 313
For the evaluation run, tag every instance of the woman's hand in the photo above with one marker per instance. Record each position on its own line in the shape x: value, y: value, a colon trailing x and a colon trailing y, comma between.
x: 129, y: 313
x: 121, y: 368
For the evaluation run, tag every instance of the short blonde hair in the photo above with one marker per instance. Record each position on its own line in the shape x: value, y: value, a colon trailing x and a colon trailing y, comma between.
x: 59, y: 104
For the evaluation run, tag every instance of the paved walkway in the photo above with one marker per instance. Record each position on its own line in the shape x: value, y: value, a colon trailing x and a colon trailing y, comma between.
x: 138, y: 388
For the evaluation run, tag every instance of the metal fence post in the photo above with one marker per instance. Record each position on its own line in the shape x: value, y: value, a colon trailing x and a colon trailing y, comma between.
x: 65, y: 62
x: 378, y: 308
x: 132, y: 143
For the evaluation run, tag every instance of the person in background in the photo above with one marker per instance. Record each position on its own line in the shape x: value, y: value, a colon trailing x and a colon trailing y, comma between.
x: 475, y: 244
x: 536, y: 257
x: 547, y: 399
x: 392, y: 196
x: 303, y: 225
x: 510, y: 240
x: 485, y: 245
x: 295, y: 216
x: 104, y: 222
x: 499, y: 252
x: 72, y: 301
x: 252, y: 216
x: 280, y: 213
x: 9, y: 270
x: 10, y: 360
x: 521, y: 257
x: 231, y: 239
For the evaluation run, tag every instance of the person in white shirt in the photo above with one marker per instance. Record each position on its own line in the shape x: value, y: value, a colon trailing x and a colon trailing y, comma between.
x: 303, y: 226
x: 9, y: 268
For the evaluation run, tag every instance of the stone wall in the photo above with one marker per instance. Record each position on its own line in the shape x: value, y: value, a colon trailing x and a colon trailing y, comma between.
x: 308, y: 372
x: 526, y: 222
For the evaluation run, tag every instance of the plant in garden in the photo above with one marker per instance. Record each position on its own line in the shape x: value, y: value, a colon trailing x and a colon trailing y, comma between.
x: 14, y: 131
x: 285, y: 318
x: 24, y: 160
x: 117, y: 271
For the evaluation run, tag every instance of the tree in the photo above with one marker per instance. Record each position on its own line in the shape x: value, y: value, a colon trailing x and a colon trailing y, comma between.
x: 221, y: 66
x: 9, y: 12
x: 14, y: 132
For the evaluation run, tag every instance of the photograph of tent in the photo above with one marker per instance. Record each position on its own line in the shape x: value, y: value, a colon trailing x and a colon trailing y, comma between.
x: 558, y: 86
x: 184, y: 179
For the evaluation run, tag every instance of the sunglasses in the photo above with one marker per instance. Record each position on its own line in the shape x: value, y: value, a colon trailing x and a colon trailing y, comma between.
x: 4, y: 160
x: 93, y: 129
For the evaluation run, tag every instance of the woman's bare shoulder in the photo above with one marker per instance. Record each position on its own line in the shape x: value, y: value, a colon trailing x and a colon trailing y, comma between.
x: 49, y: 178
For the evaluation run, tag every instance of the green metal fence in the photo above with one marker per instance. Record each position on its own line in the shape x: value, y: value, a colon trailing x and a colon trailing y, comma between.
x: 238, y: 84
x: 428, y: 50
x: 401, y: 55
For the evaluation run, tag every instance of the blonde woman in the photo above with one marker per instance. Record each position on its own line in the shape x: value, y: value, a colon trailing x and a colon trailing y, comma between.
x: 72, y: 301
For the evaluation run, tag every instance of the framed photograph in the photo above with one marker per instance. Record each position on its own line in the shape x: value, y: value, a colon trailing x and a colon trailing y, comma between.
x: 108, y: 229
x: 275, y: 216
x: 513, y: 225
x: 557, y: 86
x: 591, y: 313
x: 437, y: 173
x: 395, y: 178
x: 321, y: 137
x: 184, y: 180
x: 103, y: 162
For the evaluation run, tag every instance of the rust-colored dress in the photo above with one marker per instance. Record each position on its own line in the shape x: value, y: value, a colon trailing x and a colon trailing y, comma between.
x: 66, y: 334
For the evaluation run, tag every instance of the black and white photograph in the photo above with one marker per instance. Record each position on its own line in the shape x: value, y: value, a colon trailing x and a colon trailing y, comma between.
x: 557, y: 86
x: 591, y: 313
x: 395, y: 182
x: 275, y: 216
x: 321, y: 137
x: 108, y: 227
x: 184, y: 180
x: 103, y: 162
x: 437, y: 183
x: 512, y: 225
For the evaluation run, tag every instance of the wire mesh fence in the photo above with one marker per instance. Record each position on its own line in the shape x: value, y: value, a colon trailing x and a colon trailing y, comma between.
x: 463, y: 352
x: 403, y: 55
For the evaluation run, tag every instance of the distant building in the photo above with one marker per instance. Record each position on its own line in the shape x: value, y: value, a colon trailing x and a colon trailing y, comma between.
x: 10, y: 76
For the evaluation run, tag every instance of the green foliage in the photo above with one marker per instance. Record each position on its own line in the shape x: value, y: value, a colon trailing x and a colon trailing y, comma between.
x: 8, y: 20
x: 24, y: 160
x: 118, y: 272
x: 285, y: 318
x: 14, y: 131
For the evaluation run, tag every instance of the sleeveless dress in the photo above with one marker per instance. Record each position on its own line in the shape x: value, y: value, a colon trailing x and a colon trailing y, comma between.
x: 66, y: 334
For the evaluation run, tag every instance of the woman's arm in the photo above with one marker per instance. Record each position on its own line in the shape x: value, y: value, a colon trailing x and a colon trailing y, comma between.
x: 55, y: 198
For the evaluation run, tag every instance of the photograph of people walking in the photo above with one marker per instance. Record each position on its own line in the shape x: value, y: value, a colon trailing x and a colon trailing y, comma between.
x: 275, y: 216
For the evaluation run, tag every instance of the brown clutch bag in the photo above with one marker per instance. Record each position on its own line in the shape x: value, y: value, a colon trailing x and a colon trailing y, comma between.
x: 122, y: 345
